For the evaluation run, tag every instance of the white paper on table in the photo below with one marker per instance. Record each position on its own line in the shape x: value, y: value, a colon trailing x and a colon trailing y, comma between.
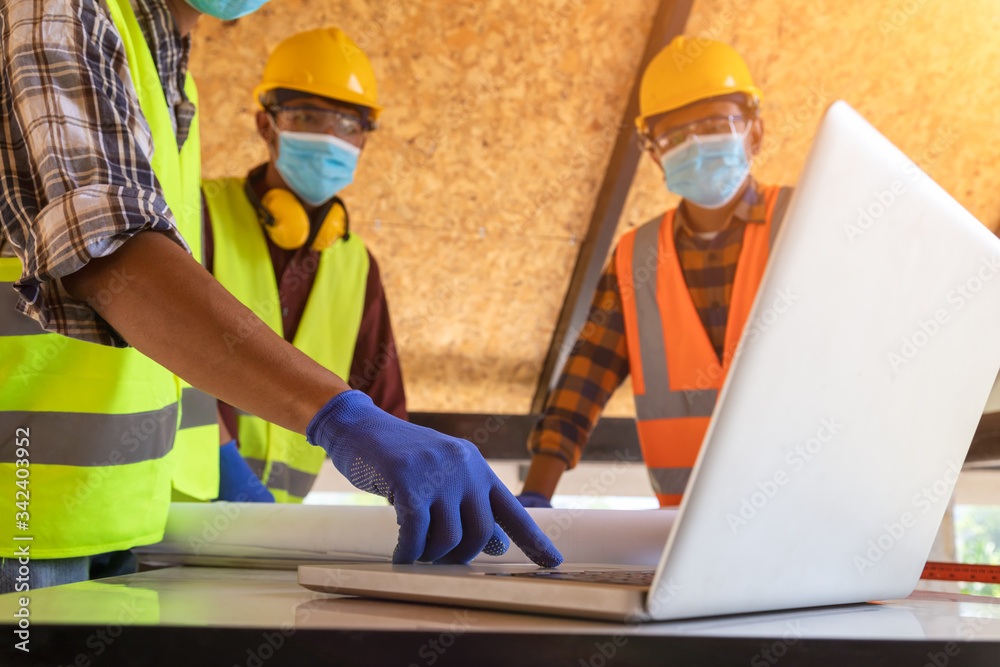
x: 361, y: 533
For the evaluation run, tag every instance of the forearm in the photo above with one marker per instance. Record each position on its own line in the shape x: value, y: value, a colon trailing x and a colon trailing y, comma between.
x: 169, y: 308
x: 544, y: 474
x: 596, y: 367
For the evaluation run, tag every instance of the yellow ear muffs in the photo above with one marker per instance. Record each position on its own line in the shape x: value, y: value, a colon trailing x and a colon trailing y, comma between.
x: 334, y: 227
x: 291, y: 222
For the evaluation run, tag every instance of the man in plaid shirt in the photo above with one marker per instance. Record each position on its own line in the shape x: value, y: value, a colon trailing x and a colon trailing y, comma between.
x: 90, y: 249
x: 699, y: 122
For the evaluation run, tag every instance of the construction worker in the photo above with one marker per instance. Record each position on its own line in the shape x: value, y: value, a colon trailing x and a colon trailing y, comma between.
x: 672, y: 302
x: 100, y: 202
x: 278, y: 241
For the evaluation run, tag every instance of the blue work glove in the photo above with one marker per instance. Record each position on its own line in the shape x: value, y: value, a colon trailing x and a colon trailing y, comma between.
x: 449, y: 503
x: 532, y: 499
x: 237, y: 482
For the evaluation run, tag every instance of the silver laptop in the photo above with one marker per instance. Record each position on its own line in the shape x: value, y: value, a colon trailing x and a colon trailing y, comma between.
x: 837, y: 439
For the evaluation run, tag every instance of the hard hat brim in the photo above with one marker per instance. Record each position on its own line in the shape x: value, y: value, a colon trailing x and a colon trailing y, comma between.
x: 333, y: 93
x: 693, y: 97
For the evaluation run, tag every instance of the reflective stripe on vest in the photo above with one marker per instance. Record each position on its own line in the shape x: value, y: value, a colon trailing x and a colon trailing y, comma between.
x: 289, y: 483
x: 197, y: 409
x: 676, y: 375
x: 284, y: 460
x: 100, y: 420
x: 141, y: 436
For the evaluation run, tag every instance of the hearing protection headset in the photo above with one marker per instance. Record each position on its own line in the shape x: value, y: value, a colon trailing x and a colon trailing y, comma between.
x: 287, y: 223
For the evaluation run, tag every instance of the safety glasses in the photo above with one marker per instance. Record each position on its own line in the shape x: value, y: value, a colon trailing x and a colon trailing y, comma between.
x: 675, y: 136
x: 318, y: 120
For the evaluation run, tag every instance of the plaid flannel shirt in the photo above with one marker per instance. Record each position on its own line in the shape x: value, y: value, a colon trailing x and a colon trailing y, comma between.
x: 75, y: 148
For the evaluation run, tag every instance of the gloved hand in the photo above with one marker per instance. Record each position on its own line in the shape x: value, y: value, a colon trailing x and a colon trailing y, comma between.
x: 449, y: 503
x: 532, y: 499
x: 237, y: 482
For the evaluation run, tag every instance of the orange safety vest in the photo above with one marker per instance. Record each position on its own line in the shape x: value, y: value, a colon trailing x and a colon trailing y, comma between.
x: 676, y: 375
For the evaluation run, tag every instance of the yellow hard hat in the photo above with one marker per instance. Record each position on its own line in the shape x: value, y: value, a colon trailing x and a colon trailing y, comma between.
x: 323, y: 62
x: 690, y: 70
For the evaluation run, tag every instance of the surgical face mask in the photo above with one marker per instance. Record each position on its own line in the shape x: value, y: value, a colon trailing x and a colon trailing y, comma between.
x: 315, y: 166
x: 227, y: 10
x: 707, y: 170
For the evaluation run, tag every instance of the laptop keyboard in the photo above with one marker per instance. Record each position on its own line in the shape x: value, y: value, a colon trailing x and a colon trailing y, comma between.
x: 617, y: 577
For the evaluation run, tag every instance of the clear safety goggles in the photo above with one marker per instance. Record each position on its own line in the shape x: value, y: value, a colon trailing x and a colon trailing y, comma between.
x: 676, y: 136
x: 317, y: 120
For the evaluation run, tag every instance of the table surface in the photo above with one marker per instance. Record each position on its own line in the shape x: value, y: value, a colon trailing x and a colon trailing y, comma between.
x: 253, y: 618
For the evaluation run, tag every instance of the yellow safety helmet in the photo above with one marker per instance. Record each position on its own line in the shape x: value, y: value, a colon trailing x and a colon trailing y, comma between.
x: 323, y: 62
x: 689, y: 70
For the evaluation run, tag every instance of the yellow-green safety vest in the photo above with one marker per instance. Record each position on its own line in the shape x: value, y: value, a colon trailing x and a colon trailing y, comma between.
x: 284, y: 460
x: 101, y: 422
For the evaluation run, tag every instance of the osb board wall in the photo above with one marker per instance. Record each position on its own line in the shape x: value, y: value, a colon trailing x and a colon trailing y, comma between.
x: 499, y: 121
x: 922, y: 71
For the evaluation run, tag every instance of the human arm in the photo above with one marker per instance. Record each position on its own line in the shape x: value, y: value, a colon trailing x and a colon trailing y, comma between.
x: 160, y: 300
x: 597, y: 365
x: 447, y: 499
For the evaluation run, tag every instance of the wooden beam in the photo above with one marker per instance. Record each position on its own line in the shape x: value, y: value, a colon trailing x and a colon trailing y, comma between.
x: 671, y: 17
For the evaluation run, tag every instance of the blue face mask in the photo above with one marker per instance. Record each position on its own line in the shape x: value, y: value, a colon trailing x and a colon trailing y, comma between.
x: 708, y: 170
x: 315, y: 166
x: 227, y: 10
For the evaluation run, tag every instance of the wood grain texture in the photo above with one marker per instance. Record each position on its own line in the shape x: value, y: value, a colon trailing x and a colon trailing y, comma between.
x: 499, y: 120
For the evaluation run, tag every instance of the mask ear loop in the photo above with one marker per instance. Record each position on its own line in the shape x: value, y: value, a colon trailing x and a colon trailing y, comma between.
x: 272, y: 153
x: 272, y: 146
x: 743, y: 141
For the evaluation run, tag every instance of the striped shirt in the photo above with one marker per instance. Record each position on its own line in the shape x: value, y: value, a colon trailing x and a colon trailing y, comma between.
x: 75, y: 148
x: 598, y: 363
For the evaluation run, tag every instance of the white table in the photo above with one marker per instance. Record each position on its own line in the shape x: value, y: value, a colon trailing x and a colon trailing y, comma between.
x: 257, y: 618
